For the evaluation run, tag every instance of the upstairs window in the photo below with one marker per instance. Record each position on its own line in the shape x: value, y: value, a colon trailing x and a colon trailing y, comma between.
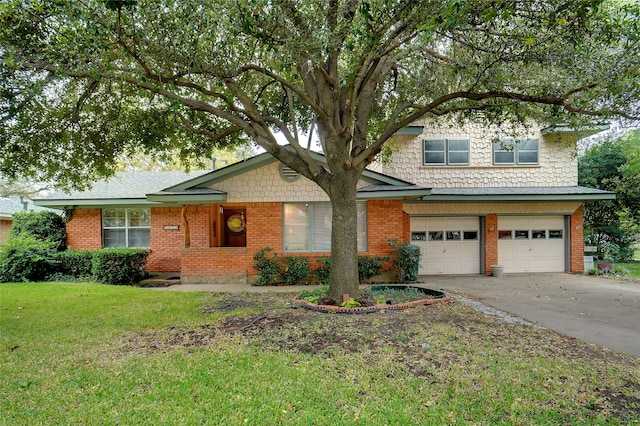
x: 510, y: 152
x: 126, y: 228
x: 442, y: 152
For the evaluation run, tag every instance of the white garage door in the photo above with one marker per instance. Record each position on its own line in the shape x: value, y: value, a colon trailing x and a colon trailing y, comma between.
x: 449, y: 245
x: 531, y: 243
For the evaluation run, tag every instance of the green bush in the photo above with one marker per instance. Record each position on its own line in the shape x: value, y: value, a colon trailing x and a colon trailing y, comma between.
x: 406, y: 260
x: 26, y: 258
x: 294, y: 269
x: 269, y: 269
x: 75, y: 263
x: 368, y: 267
x: 45, y: 225
x: 119, y: 265
x: 322, y: 272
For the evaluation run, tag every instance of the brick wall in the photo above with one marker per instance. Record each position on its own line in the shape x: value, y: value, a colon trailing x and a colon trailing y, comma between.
x: 264, y: 229
x: 490, y: 242
x: 166, y: 244
x: 5, y: 228
x: 84, y: 230
x: 577, y: 242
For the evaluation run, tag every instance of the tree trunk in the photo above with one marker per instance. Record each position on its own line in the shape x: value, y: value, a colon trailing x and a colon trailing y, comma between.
x: 344, y: 240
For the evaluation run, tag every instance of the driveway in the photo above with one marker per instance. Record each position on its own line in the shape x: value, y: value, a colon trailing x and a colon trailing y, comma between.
x: 597, y: 310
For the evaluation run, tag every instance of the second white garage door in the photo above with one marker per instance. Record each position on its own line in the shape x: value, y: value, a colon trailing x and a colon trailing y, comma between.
x: 531, y: 243
x: 449, y: 245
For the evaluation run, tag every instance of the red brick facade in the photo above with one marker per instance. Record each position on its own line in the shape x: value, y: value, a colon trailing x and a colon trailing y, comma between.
x: 205, y: 258
x: 84, y: 230
x: 577, y: 241
x: 490, y: 242
x: 5, y: 227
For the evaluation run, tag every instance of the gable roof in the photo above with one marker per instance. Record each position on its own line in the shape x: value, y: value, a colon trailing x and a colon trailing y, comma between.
x: 199, y: 189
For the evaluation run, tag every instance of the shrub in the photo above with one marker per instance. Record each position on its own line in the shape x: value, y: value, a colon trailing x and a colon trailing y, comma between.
x: 119, y: 266
x: 406, y: 260
x: 269, y: 269
x: 323, y: 271
x: 367, y: 267
x: 45, y: 225
x: 76, y: 263
x: 294, y: 269
x: 26, y: 258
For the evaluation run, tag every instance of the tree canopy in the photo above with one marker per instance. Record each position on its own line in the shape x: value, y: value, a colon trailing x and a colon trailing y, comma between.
x: 613, y: 165
x: 87, y: 80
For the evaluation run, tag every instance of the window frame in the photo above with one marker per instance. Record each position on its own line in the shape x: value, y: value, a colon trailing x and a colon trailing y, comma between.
x: 446, y: 152
x: 126, y: 227
x: 312, y: 233
x: 516, y: 151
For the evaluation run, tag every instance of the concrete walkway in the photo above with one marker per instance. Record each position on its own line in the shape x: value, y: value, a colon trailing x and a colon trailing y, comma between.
x: 602, y: 311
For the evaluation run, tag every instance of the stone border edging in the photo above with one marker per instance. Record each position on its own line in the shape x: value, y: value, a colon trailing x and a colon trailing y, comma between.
x: 364, y: 309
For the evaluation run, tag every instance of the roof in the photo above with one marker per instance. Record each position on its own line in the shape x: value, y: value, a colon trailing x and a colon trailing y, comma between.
x: 124, y: 188
x: 9, y: 206
x: 531, y: 193
x: 193, y: 190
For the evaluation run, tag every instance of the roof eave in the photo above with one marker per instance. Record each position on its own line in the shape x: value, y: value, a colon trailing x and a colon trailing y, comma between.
x: 94, y: 202
x: 516, y: 197
x: 392, y: 195
x: 187, y: 198
x: 580, y: 132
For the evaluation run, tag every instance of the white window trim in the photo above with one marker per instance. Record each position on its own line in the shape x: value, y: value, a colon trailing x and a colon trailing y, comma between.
x: 446, y: 152
x: 126, y: 227
x: 516, y: 153
x: 310, y: 237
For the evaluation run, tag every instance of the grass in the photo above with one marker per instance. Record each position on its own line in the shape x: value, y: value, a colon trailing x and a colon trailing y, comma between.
x: 632, y: 269
x: 95, y: 354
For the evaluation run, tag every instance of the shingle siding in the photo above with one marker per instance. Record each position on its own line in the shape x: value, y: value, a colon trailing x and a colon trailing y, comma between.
x: 557, y: 165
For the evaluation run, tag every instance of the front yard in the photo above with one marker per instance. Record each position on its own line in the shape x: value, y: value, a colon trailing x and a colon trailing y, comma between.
x: 96, y: 354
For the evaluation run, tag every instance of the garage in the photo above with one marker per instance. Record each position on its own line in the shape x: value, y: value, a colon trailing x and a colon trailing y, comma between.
x: 449, y: 245
x: 531, y: 243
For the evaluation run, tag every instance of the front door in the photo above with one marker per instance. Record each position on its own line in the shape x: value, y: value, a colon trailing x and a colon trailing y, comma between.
x: 235, y: 234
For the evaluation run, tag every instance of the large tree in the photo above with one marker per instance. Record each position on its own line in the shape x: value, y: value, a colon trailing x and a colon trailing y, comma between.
x: 85, y: 80
x: 613, y: 165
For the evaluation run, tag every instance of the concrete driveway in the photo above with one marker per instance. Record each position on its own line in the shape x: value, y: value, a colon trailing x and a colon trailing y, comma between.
x: 597, y: 310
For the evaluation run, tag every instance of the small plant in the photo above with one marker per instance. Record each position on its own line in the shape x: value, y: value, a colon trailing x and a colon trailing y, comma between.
x: 313, y: 295
x: 269, y: 269
x: 350, y: 303
x: 294, y: 269
x: 406, y: 260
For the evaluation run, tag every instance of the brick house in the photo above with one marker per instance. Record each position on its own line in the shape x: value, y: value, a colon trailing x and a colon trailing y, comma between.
x: 468, y: 199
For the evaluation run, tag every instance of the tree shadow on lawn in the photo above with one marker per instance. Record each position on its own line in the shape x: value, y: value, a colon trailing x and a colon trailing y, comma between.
x: 422, y: 342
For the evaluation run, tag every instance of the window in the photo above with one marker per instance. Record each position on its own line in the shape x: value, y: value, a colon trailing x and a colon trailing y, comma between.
x: 307, y: 227
x: 510, y: 152
x: 442, y: 152
x: 505, y: 234
x: 126, y: 227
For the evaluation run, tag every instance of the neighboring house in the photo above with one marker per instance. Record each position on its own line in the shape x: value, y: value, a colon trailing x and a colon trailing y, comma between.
x: 467, y: 202
x: 8, y: 207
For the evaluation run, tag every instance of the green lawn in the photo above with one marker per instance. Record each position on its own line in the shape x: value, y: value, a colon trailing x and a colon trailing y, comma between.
x: 96, y: 354
x: 633, y: 269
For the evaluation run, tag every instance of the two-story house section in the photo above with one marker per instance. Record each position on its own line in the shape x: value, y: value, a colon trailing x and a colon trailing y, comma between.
x: 494, y: 199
